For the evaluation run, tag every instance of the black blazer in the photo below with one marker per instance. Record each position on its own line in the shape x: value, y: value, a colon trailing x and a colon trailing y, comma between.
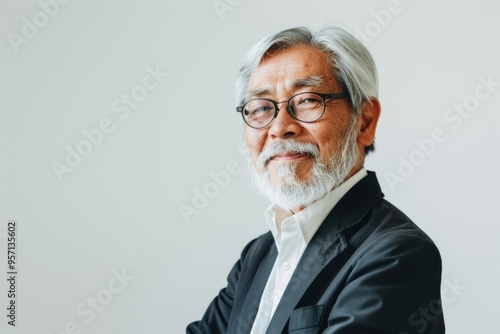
x: 368, y: 269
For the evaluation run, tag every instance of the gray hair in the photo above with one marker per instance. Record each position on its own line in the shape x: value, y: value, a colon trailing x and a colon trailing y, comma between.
x: 354, y: 66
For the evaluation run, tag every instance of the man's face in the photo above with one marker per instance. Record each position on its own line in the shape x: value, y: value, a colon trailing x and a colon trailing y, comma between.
x: 278, y: 77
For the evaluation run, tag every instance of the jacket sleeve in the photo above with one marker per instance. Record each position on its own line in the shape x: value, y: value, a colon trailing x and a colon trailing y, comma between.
x: 215, y: 320
x: 394, y: 287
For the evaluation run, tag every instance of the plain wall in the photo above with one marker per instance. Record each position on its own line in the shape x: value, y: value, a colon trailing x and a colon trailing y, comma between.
x: 119, y: 208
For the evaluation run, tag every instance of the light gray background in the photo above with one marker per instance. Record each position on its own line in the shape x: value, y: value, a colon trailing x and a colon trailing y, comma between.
x: 119, y: 209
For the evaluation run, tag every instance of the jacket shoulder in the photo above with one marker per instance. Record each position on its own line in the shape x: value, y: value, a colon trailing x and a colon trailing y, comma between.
x: 391, y: 221
x: 390, y: 231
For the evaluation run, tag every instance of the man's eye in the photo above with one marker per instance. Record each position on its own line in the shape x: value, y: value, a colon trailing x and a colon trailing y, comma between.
x: 262, y: 109
x: 309, y: 100
x: 258, y: 111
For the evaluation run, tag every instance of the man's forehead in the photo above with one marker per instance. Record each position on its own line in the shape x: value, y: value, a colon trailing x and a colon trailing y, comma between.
x: 272, y: 66
x: 291, y: 68
x: 293, y: 60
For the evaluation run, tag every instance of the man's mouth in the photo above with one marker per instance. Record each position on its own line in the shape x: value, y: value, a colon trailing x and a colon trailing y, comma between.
x: 288, y: 156
x: 284, y: 152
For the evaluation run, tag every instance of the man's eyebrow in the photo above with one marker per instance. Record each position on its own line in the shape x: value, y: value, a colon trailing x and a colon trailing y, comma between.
x: 312, y: 81
x: 258, y: 92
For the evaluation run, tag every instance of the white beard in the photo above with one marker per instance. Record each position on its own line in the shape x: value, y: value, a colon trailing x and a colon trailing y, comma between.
x: 286, y: 191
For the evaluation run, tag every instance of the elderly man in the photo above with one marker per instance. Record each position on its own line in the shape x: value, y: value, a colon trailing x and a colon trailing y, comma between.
x: 338, y: 257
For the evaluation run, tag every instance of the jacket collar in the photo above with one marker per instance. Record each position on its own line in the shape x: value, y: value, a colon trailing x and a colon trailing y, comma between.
x: 328, y: 242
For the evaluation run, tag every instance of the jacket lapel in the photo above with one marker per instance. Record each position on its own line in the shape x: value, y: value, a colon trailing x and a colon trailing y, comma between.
x: 252, y: 286
x: 328, y: 242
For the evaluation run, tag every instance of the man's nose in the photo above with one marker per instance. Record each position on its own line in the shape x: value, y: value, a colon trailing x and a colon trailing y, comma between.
x: 284, y: 125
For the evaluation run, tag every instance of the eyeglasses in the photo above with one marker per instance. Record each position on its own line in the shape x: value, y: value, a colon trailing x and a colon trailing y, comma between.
x: 304, y: 107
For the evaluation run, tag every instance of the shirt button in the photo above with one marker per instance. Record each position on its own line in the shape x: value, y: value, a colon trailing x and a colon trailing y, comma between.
x: 286, y: 265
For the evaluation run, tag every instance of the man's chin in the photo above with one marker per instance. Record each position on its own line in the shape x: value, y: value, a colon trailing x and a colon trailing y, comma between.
x: 280, y: 172
x: 289, y: 182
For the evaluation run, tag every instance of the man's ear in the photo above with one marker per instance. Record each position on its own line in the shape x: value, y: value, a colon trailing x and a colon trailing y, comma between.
x: 368, y: 122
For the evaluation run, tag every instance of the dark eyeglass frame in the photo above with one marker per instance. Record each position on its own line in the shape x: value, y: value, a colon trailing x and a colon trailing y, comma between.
x: 323, y: 97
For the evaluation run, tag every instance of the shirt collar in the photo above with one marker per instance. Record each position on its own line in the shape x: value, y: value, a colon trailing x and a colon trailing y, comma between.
x: 310, y: 218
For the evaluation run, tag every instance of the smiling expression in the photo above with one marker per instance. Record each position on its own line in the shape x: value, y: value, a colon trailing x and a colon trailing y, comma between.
x: 279, y: 76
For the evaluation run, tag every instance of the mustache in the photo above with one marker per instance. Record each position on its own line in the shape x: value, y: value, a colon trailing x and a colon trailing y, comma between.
x: 289, y: 146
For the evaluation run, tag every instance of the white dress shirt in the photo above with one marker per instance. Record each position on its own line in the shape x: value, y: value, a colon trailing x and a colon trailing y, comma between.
x: 292, y: 232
